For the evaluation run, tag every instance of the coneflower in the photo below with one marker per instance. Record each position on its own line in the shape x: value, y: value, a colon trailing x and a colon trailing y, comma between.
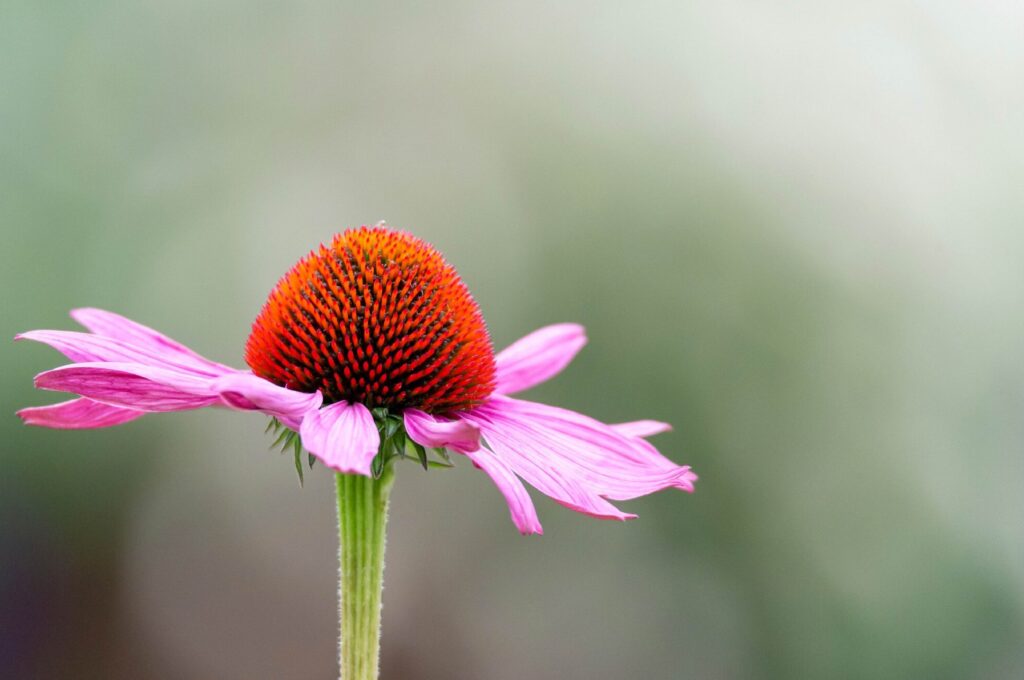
x: 368, y: 351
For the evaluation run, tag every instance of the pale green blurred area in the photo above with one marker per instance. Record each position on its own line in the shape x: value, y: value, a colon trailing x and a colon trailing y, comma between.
x: 792, y: 229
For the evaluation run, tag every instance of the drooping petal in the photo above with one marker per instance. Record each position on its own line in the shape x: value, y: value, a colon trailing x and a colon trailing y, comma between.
x: 427, y: 430
x: 133, y: 386
x: 520, y: 505
x: 538, y: 356
x: 247, y: 392
x: 76, y: 414
x: 641, y: 428
x: 576, y: 460
x: 88, y: 347
x: 544, y: 464
x: 604, y: 442
x: 630, y: 454
x: 343, y: 436
x: 110, y: 325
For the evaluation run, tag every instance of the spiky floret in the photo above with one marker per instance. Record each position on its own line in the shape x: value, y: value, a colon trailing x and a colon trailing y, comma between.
x: 378, y: 317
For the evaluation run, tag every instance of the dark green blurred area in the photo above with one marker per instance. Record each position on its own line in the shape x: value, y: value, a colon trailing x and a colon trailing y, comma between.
x: 792, y: 230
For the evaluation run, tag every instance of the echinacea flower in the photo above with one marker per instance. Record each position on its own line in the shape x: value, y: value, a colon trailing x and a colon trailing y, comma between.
x: 367, y: 351
x: 362, y: 339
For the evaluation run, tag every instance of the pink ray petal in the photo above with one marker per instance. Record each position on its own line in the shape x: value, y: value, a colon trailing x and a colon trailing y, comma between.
x: 576, y: 460
x: 343, y: 436
x: 533, y: 458
x: 520, y: 505
x: 625, y: 450
x: 427, y: 430
x: 77, y: 414
x: 623, y: 466
x: 110, y: 325
x: 87, y: 347
x: 134, y: 386
x: 641, y: 428
x: 538, y: 356
x: 245, y: 391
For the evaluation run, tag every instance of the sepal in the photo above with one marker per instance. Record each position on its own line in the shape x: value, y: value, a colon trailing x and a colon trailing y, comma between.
x: 395, y: 443
x: 289, y: 440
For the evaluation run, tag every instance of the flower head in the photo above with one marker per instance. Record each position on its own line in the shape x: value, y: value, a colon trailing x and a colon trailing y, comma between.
x: 379, y: 318
x: 365, y: 347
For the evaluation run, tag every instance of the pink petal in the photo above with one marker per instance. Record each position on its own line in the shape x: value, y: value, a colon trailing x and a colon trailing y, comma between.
x: 87, y: 347
x: 628, y: 451
x: 538, y: 356
x: 520, y: 505
x: 343, y: 436
x: 247, y: 392
x: 77, y: 414
x: 642, y: 428
x: 548, y: 468
x: 133, y: 386
x: 576, y: 460
x: 637, y: 459
x: 110, y: 325
x: 429, y: 431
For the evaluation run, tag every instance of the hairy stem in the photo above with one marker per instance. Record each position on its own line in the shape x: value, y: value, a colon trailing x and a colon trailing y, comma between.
x: 362, y: 520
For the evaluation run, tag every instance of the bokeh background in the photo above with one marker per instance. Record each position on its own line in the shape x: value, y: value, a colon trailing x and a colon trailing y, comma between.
x: 793, y: 229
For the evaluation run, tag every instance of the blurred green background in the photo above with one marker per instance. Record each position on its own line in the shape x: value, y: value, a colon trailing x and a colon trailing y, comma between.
x: 793, y: 229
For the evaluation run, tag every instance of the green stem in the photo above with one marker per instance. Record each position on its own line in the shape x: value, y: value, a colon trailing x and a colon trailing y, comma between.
x: 362, y: 519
